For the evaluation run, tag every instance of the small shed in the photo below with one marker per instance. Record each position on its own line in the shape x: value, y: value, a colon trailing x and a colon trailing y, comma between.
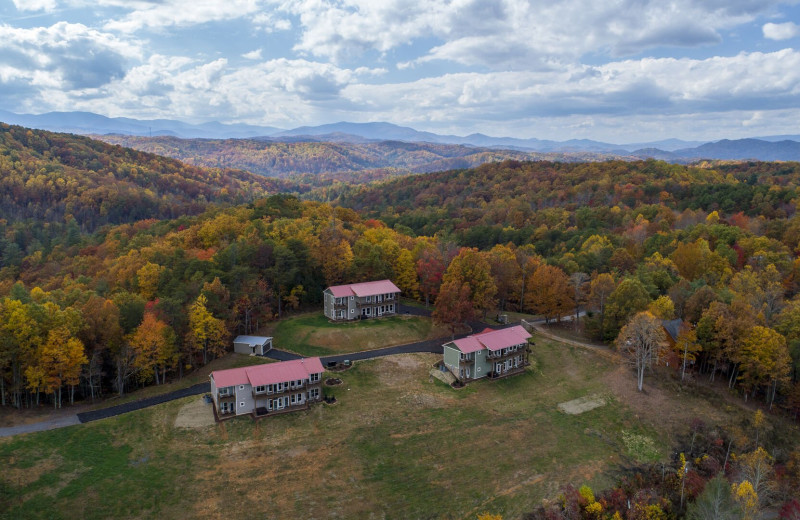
x: 255, y: 345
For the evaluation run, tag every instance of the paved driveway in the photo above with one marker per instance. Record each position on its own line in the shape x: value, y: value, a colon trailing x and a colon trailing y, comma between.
x: 432, y: 345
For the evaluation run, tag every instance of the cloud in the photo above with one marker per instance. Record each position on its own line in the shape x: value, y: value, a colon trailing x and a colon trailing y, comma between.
x: 780, y: 31
x: 34, y: 5
x: 64, y: 55
x: 252, y: 55
x: 181, y: 13
x: 504, y: 34
x: 627, y: 88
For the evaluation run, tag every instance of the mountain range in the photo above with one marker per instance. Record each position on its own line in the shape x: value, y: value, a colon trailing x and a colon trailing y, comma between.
x: 767, y: 148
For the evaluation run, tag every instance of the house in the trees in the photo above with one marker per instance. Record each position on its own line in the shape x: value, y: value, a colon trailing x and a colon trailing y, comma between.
x: 253, y: 345
x: 361, y: 300
x: 268, y: 389
x: 492, y: 354
x: 673, y: 329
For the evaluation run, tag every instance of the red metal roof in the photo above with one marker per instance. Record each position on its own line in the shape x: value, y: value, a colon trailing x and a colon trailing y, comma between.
x: 268, y: 374
x: 229, y: 377
x: 504, y: 338
x: 493, y: 339
x: 468, y: 344
x: 364, y: 289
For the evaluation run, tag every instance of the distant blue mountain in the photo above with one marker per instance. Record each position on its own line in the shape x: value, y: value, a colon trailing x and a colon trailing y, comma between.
x: 769, y: 148
x: 89, y: 123
x: 743, y: 149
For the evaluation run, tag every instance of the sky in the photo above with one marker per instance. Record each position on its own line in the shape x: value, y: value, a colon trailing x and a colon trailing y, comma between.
x: 618, y: 71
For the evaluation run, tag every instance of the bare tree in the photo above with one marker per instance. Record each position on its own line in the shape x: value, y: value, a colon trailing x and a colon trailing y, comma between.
x: 642, y: 341
x: 579, y: 282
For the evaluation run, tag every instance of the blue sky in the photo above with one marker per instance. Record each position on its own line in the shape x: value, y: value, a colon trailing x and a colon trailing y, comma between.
x: 612, y: 70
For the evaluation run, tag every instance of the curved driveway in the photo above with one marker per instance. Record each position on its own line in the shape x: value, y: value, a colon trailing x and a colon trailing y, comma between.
x: 432, y: 346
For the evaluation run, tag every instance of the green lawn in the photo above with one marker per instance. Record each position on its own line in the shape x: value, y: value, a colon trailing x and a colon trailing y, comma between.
x: 314, y: 335
x: 395, y: 445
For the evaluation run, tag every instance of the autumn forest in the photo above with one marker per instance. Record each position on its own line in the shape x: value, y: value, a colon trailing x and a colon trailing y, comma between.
x: 121, y: 269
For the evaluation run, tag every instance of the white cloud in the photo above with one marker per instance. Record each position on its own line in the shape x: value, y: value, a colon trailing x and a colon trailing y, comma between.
x: 182, y: 13
x: 34, y: 5
x: 252, y: 55
x: 514, y: 33
x: 665, y: 87
x: 781, y: 31
x: 70, y: 56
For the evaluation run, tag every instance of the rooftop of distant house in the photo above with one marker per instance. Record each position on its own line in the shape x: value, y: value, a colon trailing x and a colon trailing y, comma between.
x: 364, y: 289
x: 492, y: 339
x: 271, y: 373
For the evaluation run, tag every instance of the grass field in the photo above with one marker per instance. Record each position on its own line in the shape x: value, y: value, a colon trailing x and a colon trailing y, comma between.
x: 313, y: 335
x: 13, y: 417
x: 395, y: 445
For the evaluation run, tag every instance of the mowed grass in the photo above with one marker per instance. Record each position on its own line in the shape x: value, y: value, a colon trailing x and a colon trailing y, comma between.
x: 314, y: 335
x: 13, y: 417
x: 395, y: 445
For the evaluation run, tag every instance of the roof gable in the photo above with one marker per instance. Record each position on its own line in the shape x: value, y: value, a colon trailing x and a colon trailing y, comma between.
x: 268, y: 374
x: 364, y: 289
x: 504, y: 338
x: 492, y: 339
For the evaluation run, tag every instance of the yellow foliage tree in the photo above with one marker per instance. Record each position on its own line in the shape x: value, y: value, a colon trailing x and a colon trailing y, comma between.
x: 747, y: 498
x: 206, y: 333
x: 148, y: 277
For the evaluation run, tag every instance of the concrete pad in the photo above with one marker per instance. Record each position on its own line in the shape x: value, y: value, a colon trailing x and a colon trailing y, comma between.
x: 582, y: 404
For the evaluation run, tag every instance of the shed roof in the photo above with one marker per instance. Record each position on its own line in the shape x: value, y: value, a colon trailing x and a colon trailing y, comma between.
x: 493, y: 339
x: 364, y: 289
x: 253, y: 340
x: 268, y: 374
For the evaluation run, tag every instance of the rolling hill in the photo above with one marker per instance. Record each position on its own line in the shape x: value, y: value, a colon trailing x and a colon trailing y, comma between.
x: 283, y: 159
x: 49, y: 176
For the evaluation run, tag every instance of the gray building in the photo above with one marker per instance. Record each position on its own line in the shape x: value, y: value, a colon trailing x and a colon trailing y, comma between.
x: 361, y: 300
x: 257, y: 345
x: 267, y: 389
x: 492, y: 354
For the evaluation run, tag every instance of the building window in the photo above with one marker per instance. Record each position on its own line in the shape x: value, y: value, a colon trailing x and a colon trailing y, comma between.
x: 226, y: 391
x: 241, y: 405
x: 261, y: 389
x: 313, y: 378
x: 241, y: 387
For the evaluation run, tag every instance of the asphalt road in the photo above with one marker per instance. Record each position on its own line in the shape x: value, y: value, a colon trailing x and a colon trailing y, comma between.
x: 432, y: 345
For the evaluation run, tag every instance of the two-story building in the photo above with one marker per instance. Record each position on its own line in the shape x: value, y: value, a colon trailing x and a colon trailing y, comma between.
x: 361, y: 300
x: 492, y: 354
x: 267, y: 389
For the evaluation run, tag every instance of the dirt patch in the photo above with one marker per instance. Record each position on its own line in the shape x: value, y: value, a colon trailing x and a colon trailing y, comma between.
x: 27, y: 476
x: 196, y: 414
x: 582, y: 404
x: 418, y: 400
x: 333, y: 381
x: 404, y: 370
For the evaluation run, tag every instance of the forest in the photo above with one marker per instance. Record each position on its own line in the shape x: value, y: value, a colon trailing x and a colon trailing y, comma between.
x: 121, y: 269
x: 298, y: 157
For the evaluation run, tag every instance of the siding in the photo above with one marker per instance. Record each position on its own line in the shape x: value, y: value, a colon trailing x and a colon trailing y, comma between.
x: 244, y: 394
